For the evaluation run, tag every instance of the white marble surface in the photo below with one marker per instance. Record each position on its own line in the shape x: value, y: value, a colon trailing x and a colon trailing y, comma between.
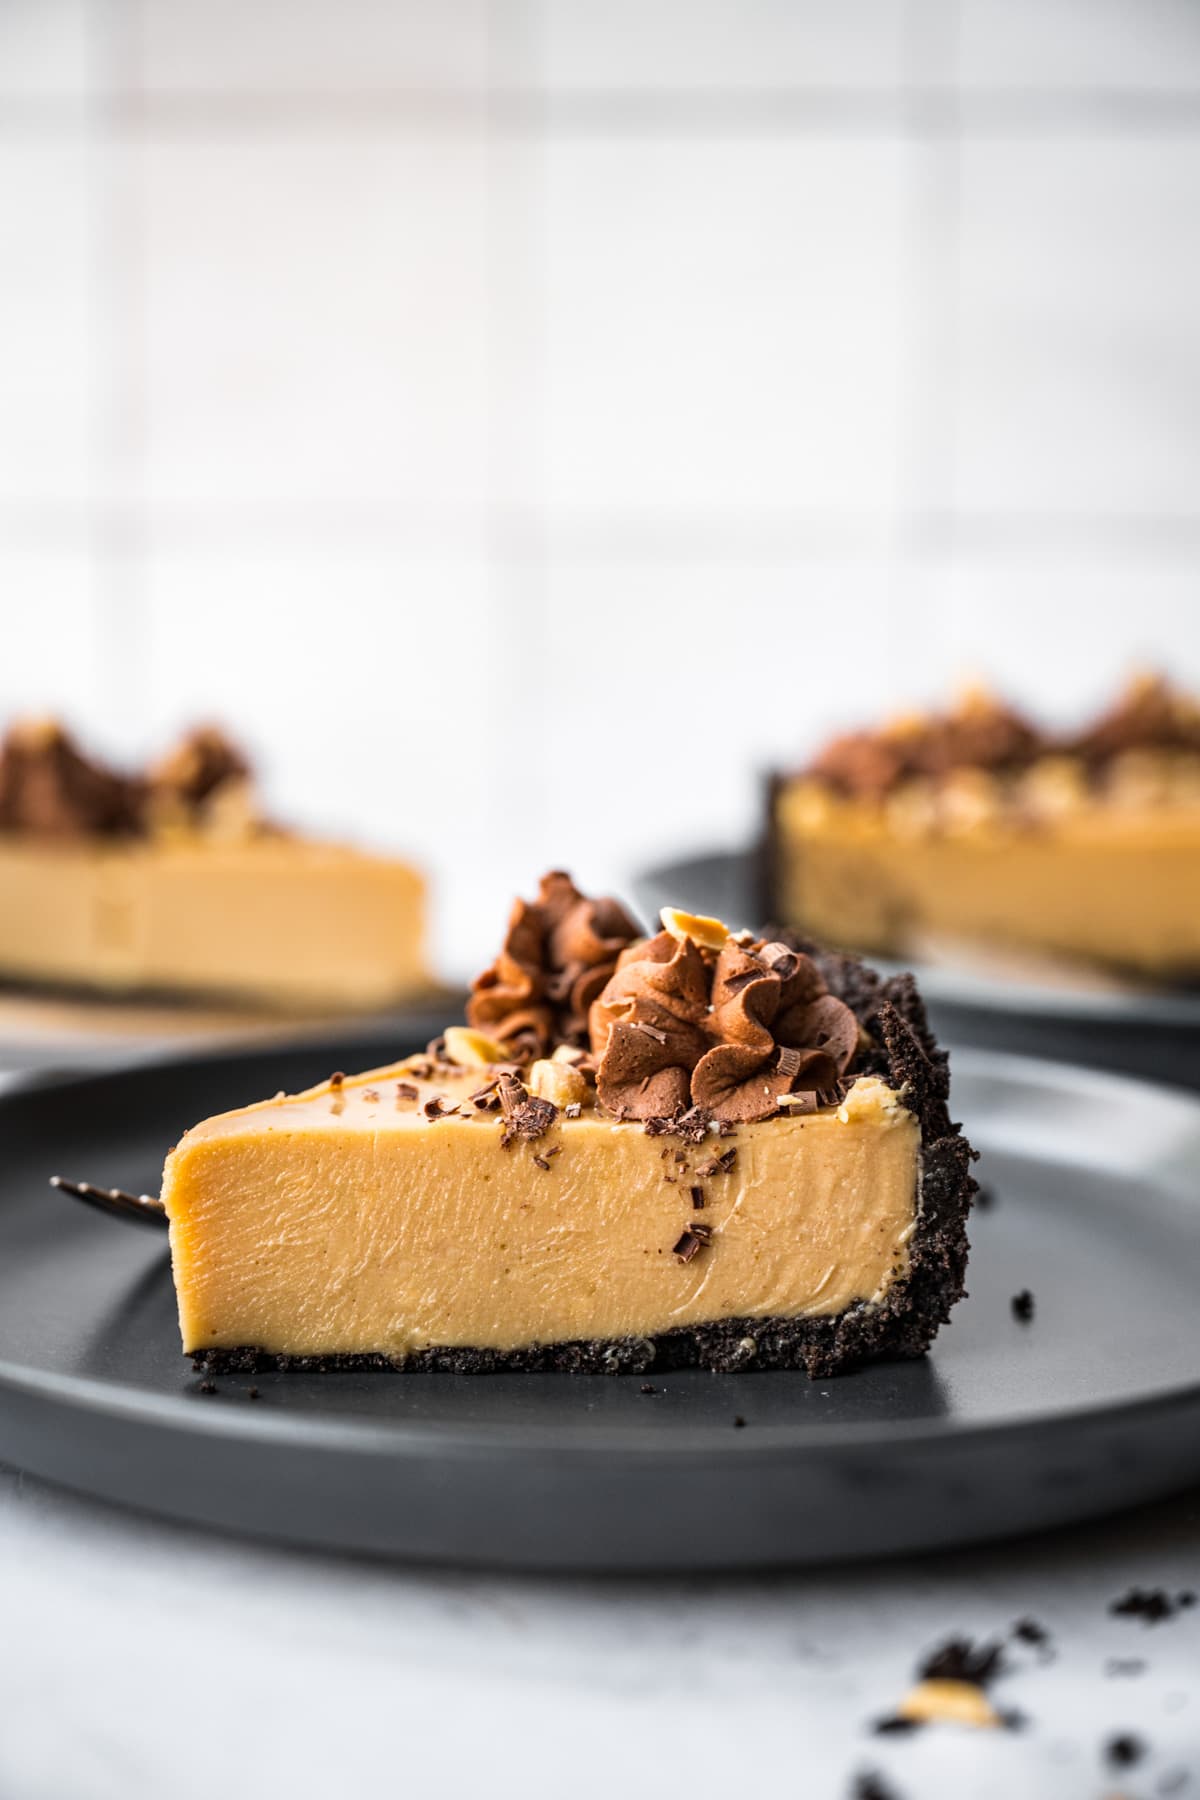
x: 145, y: 1659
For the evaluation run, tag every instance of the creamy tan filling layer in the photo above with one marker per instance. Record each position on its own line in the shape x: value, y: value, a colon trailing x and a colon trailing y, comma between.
x: 345, y: 1221
x: 277, y: 919
x: 1116, y: 886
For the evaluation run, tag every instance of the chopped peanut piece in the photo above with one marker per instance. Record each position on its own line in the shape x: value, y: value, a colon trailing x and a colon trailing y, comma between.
x: 559, y: 1083
x: 471, y: 1049
x: 710, y: 934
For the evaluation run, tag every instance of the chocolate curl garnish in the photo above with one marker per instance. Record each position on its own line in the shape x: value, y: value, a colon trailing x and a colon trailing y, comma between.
x: 557, y: 956
x: 525, y: 1115
x: 48, y: 788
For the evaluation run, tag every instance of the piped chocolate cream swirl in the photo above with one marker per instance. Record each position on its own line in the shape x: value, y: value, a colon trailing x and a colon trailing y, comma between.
x: 1149, y: 715
x: 558, y: 954
x: 693, y: 1021
x: 198, y: 767
x: 50, y: 788
x: 738, y: 1031
x: 982, y: 732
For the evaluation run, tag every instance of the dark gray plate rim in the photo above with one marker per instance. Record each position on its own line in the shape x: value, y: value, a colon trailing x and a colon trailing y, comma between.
x: 316, y: 1432
x: 589, y: 1438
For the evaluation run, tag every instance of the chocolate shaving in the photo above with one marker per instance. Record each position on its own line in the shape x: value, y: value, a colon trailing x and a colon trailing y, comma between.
x: 660, y: 1037
x: 718, y: 1165
x: 336, y: 1079
x: 691, y: 1126
x: 958, y: 1659
x: 870, y: 1785
x: 1022, y: 1306
x: 542, y: 1163
x: 687, y: 1245
x: 438, y: 1108
x: 573, y: 1110
x: 407, y: 1090
x: 1151, y: 1605
x: 737, y: 982
x: 697, y: 1194
x: 525, y: 1116
x: 1124, y: 1750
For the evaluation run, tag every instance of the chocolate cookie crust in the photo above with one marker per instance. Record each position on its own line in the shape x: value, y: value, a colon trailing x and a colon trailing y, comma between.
x: 902, y: 1051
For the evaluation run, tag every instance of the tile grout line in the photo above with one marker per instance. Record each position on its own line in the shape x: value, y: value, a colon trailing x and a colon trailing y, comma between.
x: 926, y: 446
x: 118, y: 532
x: 516, y: 533
x: 515, y: 269
x: 917, y: 109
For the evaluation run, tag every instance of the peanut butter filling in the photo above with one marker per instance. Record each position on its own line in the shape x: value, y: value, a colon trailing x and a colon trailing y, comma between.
x: 279, y: 921
x: 1118, y: 884
x: 974, y: 828
x: 381, y: 1214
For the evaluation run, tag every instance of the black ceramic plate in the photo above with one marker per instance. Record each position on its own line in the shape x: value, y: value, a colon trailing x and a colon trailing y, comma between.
x: 1006, y: 1427
x: 1139, y: 1031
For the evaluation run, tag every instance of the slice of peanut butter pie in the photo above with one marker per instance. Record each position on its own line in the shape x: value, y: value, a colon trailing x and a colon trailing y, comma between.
x: 700, y: 1147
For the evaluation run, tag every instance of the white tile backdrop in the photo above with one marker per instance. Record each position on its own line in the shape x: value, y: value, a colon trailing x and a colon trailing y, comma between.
x: 522, y: 419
